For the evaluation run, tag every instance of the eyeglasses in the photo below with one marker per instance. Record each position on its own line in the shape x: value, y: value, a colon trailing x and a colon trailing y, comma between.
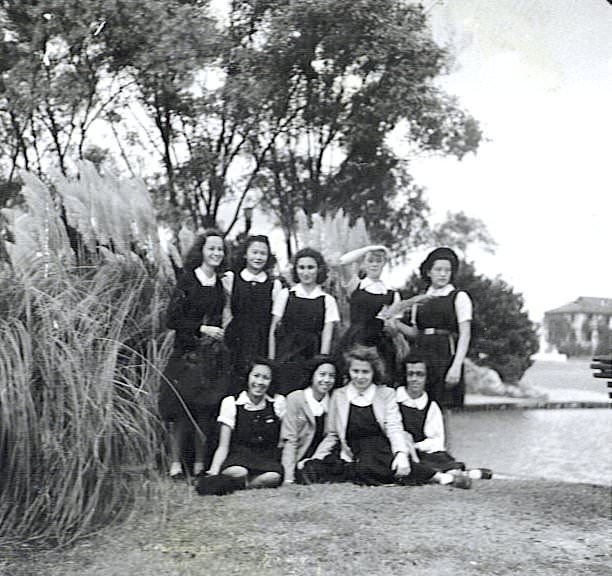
x: 416, y: 373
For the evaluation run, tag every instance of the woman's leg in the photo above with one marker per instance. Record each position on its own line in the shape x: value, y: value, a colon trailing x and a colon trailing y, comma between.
x: 265, y: 480
x: 178, y: 435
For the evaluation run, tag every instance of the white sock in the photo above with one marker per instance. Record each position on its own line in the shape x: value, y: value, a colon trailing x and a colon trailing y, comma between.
x: 175, y: 468
x: 197, y: 468
x: 475, y: 473
x: 444, y: 478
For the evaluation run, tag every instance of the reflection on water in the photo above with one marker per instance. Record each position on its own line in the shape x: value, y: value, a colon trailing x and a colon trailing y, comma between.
x: 569, y: 444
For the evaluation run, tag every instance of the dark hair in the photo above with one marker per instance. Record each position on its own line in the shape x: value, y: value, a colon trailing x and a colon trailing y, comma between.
x: 239, y: 260
x: 193, y: 258
x: 414, y: 358
x: 442, y: 253
x: 367, y: 354
x: 261, y: 361
x: 317, y: 256
x: 319, y: 360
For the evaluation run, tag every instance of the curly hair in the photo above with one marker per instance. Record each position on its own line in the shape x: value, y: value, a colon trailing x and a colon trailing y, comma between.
x: 367, y: 354
x: 319, y: 360
x: 193, y: 258
x: 240, y: 257
x: 322, y: 268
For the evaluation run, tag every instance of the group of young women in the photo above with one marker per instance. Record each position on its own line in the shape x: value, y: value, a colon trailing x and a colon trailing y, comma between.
x: 252, y: 381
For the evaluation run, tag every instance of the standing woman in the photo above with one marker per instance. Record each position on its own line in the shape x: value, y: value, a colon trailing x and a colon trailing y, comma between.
x: 303, y: 320
x: 364, y: 419
x: 196, y: 371
x: 304, y: 422
x: 367, y: 295
x: 248, y: 448
x: 252, y: 289
x: 441, y: 326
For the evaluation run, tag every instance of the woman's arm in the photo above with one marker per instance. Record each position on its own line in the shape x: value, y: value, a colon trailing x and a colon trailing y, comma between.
x: 332, y: 436
x: 289, y: 437
x: 433, y: 430
x: 326, y: 337
x: 225, y: 435
x: 463, y: 343
x: 272, y: 337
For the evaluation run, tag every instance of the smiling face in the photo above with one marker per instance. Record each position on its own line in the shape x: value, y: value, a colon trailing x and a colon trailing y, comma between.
x: 440, y: 273
x: 256, y: 257
x: 213, y: 251
x: 306, y: 269
x: 258, y: 382
x: 361, y: 374
x: 323, y: 379
x: 373, y: 264
x: 416, y: 377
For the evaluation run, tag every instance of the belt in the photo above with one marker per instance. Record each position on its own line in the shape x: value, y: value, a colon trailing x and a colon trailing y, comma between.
x: 441, y: 332
x: 435, y: 331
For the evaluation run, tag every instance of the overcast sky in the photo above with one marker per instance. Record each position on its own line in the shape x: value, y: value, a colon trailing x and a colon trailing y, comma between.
x: 538, y: 76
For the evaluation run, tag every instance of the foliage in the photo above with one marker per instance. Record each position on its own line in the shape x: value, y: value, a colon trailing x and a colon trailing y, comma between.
x: 503, y: 337
x: 284, y: 101
x: 357, y: 70
x: 80, y: 349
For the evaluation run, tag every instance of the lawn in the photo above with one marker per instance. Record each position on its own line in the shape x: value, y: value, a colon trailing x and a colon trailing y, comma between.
x: 498, y: 527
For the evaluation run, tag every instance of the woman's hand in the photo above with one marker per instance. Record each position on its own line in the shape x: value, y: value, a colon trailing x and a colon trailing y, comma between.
x: 212, y: 331
x: 401, y: 465
x: 453, y: 376
x: 391, y: 326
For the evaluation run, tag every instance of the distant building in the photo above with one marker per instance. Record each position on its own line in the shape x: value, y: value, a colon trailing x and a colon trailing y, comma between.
x: 580, y: 327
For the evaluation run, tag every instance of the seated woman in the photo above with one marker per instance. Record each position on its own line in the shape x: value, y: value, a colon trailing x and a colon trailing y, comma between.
x: 423, y: 420
x: 303, y: 425
x: 365, y: 421
x: 248, y: 449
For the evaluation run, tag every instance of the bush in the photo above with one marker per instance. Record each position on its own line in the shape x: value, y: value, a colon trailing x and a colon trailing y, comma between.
x: 80, y: 347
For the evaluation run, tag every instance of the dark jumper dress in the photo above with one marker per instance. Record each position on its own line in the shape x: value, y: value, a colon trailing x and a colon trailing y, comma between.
x: 247, y: 334
x: 198, y: 365
x: 366, y: 329
x: 372, y: 455
x: 414, y: 422
x: 439, y: 314
x: 254, y: 442
x: 298, y: 338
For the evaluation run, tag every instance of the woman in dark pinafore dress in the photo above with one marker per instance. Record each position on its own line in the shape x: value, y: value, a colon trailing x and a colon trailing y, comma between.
x: 441, y: 327
x: 252, y: 290
x: 367, y: 296
x: 249, y: 438
x: 303, y: 318
x: 197, y: 369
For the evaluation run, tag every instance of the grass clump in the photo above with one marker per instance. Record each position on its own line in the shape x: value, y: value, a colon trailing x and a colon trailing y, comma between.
x: 80, y: 349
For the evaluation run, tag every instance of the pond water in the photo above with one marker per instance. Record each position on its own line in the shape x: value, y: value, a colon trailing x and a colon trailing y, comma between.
x: 572, y: 445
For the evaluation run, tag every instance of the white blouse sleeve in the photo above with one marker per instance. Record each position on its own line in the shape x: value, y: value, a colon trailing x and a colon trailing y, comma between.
x: 280, y: 405
x: 331, y: 310
x: 279, y: 302
x: 463, y: 306
x: 433, y: 430
x: 227, y: 412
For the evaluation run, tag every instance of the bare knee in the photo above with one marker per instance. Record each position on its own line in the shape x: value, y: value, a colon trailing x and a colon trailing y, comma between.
x: 266, y: 480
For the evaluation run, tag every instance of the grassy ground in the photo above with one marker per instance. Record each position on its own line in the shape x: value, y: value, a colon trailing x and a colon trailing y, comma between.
x: 498, y: 527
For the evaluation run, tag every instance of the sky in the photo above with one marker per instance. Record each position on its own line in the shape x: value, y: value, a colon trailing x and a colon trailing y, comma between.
x: 538, y: 76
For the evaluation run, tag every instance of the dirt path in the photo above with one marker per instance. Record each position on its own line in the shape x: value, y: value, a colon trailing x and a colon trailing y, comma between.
x: 498, y: 527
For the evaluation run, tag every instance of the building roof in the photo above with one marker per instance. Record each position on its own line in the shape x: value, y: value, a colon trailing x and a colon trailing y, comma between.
x: 585, y: 305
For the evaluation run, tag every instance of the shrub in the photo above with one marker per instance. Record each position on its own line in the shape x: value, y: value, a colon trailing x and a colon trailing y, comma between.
x: 80, y: 350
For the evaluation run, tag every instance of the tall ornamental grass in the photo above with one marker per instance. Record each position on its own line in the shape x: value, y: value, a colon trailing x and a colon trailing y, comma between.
x: 81, y: 347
